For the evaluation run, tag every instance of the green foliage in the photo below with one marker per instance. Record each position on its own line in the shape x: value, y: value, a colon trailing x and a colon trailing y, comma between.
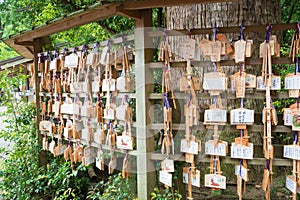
x: 21, y: 177
x: 115, y: 188
x: 165, y: 194
x: 6, y: 52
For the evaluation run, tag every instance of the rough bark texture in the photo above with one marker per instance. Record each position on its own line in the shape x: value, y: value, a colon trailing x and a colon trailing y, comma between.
x: 244, y: 12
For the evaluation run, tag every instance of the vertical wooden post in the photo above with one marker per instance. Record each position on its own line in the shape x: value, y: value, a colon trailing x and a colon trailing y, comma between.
x: 37, y: 47
x: 146, y: 176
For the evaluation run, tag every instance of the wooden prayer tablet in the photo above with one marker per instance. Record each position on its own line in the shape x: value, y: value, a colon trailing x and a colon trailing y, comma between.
x: 189, y: 48
x: 240, y: 51
x: 215, y: 115
x: 242, y: 141
x: 167, y: 165
x: 214, y: 81
x: 215, y: 51
x: 88, y: 160
x: 184, y: 85
x: 249, y: 48
x: 109, y: 84
x: 59, y: 150
x: 52, y: 146
x: 54, y: 64
x: 195, y: 180
x: 189, y: 158
x: 239, y: 182
x: 45, y: 126
x: 291, y: 184
x: 250, y: 81
x: 240, y: 85
x: 109, y: 113
x: 71, y: 61
x: 242, y: 171
x: 241, y: 151
x: 265, y: 181
x: 262, y: 49
x: 291, y: 151
x: 192, y: 148
x: 287, y: 117
x: 296, y: 120
x: 294, y: 93
x: 219, y: 150
x: 205, y: 47
x: 222, y: 38
x: 276, y: 83
x: 165, y: 178
x: 124, y: 142
x: 87, y: 152
x: 241, y: 116
x: 215, y: 181
x: 292, y: 82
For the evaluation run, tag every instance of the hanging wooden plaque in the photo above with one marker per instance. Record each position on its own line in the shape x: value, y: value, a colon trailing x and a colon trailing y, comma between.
x: 295, y: 120
x: 167, y: 165
x: 189, y: 48
x: 191, y: 149
x: 291, y: 184
x: 165, y: 178
x: 292, y: 82
x: 291, y: 152
x: 241, y: 116
x: 124, y: 142
x: 249, y: 48
x: 214, y: 81
x: 242, y: 171
x: 276, y: 83
x: 215, y: 51
x: 220, y: 149
x: 184, y: 85
x: 195, y: 180
x: 205, y: 47
x: 215, y: 181
x: 222, y: 38
x: 265, y: 181
x: 240, y: 51
x: 215, y: 115
x: 241, y: 151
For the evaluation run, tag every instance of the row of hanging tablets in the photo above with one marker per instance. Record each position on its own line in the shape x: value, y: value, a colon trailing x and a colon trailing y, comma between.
x: 82, y: 71
x: 85, y: 74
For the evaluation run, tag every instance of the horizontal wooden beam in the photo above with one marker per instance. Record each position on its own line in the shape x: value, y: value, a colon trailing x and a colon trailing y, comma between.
x: 146, y: 4
x: 230, y: 29
x: 249, y: 61
x: 225, y: 128
x: 134, y: 14
x: 229, y: 95
x: 226, y: 160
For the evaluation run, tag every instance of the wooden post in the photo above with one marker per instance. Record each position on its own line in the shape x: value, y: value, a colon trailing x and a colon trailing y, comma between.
x: 146, y: 176
x: 37, y: 47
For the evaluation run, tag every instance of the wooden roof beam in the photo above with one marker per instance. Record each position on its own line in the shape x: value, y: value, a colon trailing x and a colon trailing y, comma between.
x: 145, y: 4
x: 134, y: 14
x: 70, y: 22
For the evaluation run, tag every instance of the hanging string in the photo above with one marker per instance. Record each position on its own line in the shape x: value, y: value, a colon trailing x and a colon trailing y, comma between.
x: 190, y: 100
x: 241, y: 163
x: 215, y: 164
x: 242, y: 32
x: 295, y: 137
x: 296, y: 66
x: 165, y: 36
x: 268, y: 33
x: 267, y: 165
